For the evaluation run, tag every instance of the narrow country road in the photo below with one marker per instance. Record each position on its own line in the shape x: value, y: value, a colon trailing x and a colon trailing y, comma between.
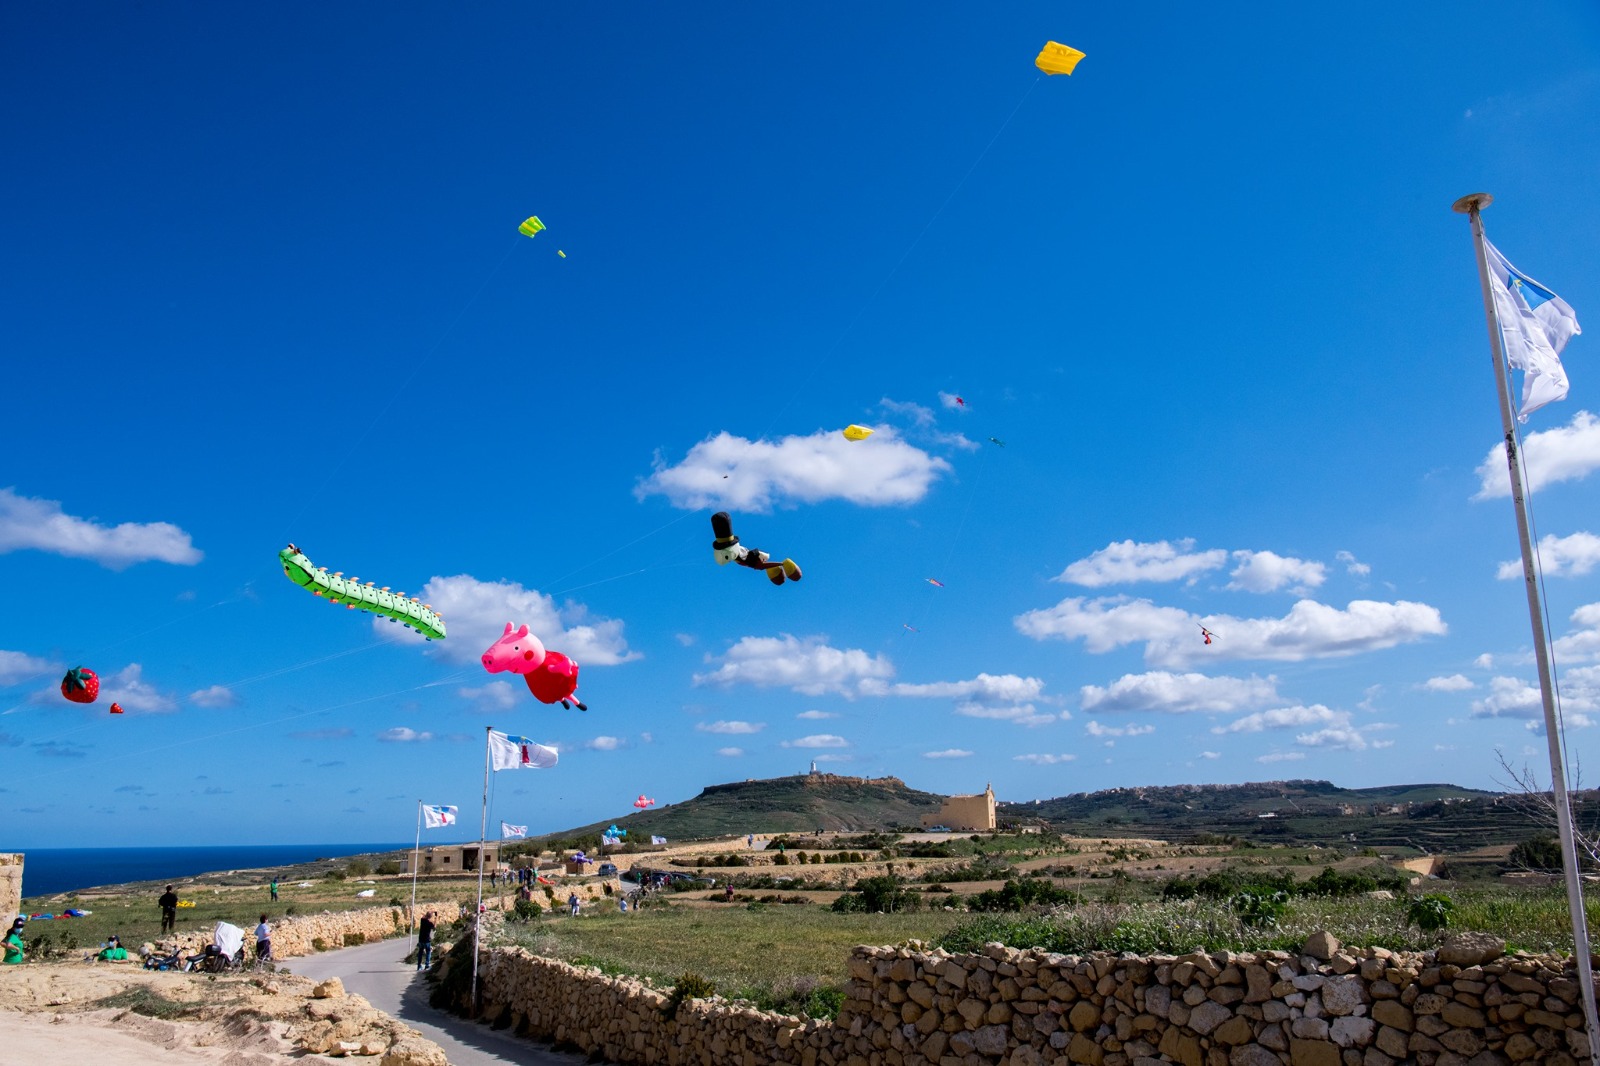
x: 380, y: 973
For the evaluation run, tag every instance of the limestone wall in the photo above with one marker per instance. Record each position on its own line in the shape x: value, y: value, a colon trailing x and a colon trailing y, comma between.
x: 297, y: 935
x: 10, y: 885
x: 1465, y: 1005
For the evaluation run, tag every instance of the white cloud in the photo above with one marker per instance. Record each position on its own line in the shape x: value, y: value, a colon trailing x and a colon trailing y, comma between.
x: 948, y: 753
x: 1266, y: 571
x: 818, y: 740
x: 1043, y: 760
x: 1566, y: 453
x: 1211, y: 754
x: 1175, y: 693
x: 1107, y: 623
x: 725, y: 471
x: 1310, y: 630
x: 730, y: 753
x: 1283, y: 718
x: 1281, y: 756
x: 816, y: 716
x: 402, y: 735
x: 730, y: 728
x: 1571, y: 556
x: 1342, y: 738
x: 604, y: 743
x: 476, y: 613
x: 16, y: 667
x: 1509, y: 697
x: 496, y: 695
x: 920, y: 416
x: 808, y: 666
x: 1453, y: 683
x: 129, y: 688
x: 1095, y: 729
x: 26, y: 522
x: 951, y: 401
x: 1583, y: 643
x: 685, y: 639
x: 1484, y: 662
x: 985, y: 688
x: 1016, y: 714
x: 1127, y: 561
x: 1352, y: 565
x: 215, y: 696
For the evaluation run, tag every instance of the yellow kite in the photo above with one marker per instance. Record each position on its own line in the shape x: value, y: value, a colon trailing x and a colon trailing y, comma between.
x: 1057, y: 58
x: 854, y: 432
x: 531, y: 226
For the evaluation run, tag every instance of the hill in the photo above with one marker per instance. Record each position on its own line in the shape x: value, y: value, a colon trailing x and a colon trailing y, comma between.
x: 801, y: 803
x: 1429, y: 818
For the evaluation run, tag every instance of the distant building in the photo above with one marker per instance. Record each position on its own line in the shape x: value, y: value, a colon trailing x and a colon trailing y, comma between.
x: 968, y: 813
x: 453, y: 859
x: 813, y: 768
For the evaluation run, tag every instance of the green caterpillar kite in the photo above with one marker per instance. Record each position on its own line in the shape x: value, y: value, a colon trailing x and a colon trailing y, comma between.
x: 354, y: 595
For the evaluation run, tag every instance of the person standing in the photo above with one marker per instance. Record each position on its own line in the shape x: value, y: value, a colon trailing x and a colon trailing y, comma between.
x: 169, y: 910
x: 264, y: 940
x: 572, y: 902
x: 425, y: 941
x: 274, y: 889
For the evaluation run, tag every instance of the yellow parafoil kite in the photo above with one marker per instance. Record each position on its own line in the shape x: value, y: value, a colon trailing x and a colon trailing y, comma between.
x: 854, y: 432
x: 1055, y: 59
x: 530, y: 226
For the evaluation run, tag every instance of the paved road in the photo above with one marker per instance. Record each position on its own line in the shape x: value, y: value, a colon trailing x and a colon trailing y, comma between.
x: 380, y: 973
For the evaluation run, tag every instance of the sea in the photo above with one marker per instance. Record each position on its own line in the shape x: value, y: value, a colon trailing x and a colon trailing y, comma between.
x: 46, y: 871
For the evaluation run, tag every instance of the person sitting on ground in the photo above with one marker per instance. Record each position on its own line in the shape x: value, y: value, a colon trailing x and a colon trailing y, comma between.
x: 263, y: 941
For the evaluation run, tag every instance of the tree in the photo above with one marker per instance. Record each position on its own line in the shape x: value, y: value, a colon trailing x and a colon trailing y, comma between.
x: 1524, y: 789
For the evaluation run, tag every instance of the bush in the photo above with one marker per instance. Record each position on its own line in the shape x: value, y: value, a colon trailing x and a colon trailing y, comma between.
x: 352, y: 940
x: 289, y: 911
x: 1015, y: 895
x: 1430, y: 913
x: 319, y: 944
x: 357, y: 868
x: 1257, y: 909
x: 388, y: 868
x: 1539, y: 852
x: 689, y: 986
x: 781, y: 860
x: 878, y: 895
x: 335, y: 874
x: 525, y: 910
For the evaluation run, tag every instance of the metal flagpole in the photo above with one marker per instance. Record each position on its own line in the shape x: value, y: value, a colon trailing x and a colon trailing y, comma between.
x: 1472, y: 206
x: 483, y: 829
x: 416, y: 853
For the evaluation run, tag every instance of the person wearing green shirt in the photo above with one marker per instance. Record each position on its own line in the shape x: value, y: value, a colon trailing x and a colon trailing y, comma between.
x: 13, y: 948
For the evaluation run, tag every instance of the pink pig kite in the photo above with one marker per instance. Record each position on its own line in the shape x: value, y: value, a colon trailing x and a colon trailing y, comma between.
x: 519, y: 652
x: 556, y: 681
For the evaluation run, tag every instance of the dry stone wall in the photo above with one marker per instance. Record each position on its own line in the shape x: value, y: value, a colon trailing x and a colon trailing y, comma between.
x: 1465, y: 1005
x: 297, y: 935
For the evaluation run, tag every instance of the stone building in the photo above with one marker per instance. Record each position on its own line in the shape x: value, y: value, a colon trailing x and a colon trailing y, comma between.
x: 453, y: 859
x: 10, y: 885
x: 967, y: 813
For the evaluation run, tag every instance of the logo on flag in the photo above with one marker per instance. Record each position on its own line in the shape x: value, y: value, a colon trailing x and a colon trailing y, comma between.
x: 434, y: 817
x: 507, y: 752
x: 508, y: 830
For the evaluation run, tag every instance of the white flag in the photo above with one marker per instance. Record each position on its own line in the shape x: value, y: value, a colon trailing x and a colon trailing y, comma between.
x: 434, y: 817
x: 510, y: 753
x: 509, y: 830
x: 1535, y: 324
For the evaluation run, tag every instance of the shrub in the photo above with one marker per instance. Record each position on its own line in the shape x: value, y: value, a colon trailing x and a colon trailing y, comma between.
x: 1539, y: 852
x: 525, y: 910
x: 1257, y: 909
x: 357, y: 868
x: 335, y: 874
x: 1430, y: 913
x: 388, y: 868
x: 318, y: 944
x: 781, y: 860
x: 878, y: 895
x: 352, y: 940
x: 1017, y: 894
x: 689, y: 986
x: 289, y: 910
x: 396, y: 901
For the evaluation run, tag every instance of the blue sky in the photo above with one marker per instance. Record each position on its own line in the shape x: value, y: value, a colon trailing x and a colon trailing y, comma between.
x: 261, y: 282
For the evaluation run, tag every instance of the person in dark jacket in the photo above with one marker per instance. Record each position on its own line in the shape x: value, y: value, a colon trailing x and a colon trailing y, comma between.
x: 169, y: 910
x: 425, y: 941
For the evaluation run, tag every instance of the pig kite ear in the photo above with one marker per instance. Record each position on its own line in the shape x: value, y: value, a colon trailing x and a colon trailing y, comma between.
x: 507, y: 633
x: 520, y: 633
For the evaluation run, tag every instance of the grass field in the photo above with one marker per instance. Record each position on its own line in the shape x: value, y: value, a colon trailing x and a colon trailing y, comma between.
x: 774, y: 955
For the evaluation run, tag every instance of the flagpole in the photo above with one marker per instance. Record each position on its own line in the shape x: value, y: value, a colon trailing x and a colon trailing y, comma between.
x: 1472, y: 206
x: 416, y: 853
x: 483, y: 830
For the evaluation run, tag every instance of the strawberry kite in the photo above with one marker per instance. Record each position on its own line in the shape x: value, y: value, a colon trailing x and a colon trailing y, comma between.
x: 81, y: 685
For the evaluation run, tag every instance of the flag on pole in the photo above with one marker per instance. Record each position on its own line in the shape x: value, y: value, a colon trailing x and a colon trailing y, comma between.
x: 434, y: 817
x: 508, y: 830
x: 1535, y: 324
x: 507, y: 752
